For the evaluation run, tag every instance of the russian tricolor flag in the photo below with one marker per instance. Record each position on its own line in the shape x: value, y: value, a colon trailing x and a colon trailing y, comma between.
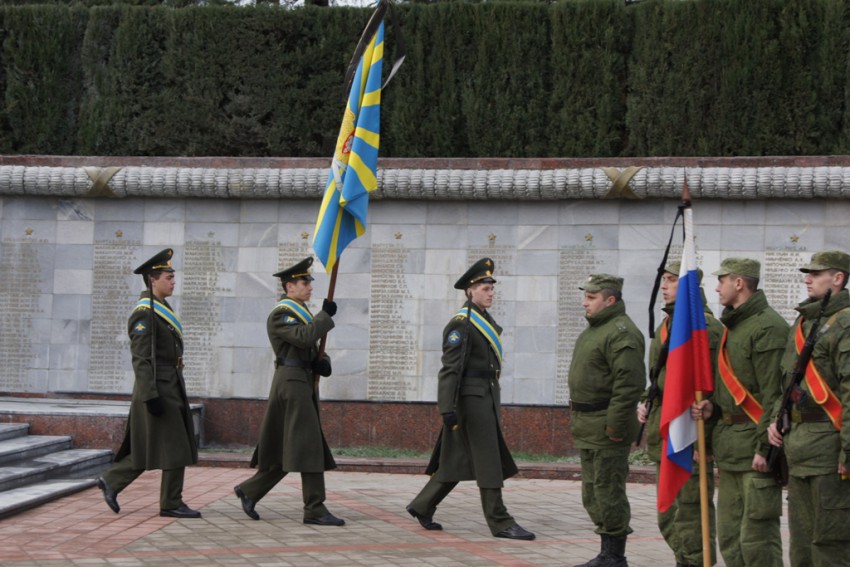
x: 688, y: 370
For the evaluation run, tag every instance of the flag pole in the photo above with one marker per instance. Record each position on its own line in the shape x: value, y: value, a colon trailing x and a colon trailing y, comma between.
x: 323, y: 342
x: 703, y: 472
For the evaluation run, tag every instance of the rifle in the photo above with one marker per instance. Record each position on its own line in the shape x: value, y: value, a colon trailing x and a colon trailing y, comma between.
x: 776, y: 455
x: 653, y: 384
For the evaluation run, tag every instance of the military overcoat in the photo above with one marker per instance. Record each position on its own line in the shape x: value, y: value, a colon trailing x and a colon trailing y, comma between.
x: 476, y: 450
x: 291, y: 434
x: 164, y: 441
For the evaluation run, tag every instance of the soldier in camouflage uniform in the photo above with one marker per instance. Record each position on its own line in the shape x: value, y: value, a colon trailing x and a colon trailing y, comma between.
x: 291, y: 438
x: 471, y: 446
x: 607, y: 377
x: 681, y: 523
x: 748, y: 380
x: 159, y: 432
x: 818, y: 445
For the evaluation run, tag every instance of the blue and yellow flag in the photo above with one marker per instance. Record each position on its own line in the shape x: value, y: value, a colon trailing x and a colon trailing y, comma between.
x: 353, y: 174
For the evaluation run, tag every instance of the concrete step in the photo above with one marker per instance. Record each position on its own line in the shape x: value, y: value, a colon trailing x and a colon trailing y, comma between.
x: 20, y: 499
x: 70, y: 463
x: 12, y: 430
x: 31, y: 446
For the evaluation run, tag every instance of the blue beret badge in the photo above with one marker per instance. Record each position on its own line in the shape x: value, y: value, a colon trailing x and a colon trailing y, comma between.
x: 454, y: 338
x: 140, y: 328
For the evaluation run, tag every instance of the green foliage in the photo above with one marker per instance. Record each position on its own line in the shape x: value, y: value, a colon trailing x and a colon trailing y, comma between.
x: 481, y: 79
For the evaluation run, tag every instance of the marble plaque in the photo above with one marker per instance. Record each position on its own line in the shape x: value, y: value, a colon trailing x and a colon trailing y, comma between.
x: 20, y: 282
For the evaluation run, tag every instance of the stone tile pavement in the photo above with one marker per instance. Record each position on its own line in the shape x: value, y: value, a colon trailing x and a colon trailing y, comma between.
x: 80, y: 530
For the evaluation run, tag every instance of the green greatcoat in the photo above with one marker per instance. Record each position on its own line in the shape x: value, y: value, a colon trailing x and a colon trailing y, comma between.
x: 166, y: 441
x: 607, y: 366
x: 291, y: 435
x: 476, y: 450
x: 818, y: 500
x: 681, y: 523
x: 749, y: 503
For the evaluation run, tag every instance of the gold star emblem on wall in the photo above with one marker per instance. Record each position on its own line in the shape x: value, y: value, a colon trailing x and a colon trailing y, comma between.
x: 397, y: 235
x: 119, y: 233
x: 28, y: 232
x: 794, y: 238
x: 491, y: 237
x: 588, y: 237
x: 304, y: 235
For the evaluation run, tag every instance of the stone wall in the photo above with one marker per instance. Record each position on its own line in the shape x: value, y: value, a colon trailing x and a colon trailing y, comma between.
x: 66, y: 261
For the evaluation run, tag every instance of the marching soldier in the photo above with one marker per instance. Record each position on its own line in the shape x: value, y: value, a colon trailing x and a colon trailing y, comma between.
x: 679, y: 524
x: 291, y: 438
x: 471, y: 446
x: 607, y: 377
x: 818, y: 444
x: 749, y: 380
x: 159, y: 432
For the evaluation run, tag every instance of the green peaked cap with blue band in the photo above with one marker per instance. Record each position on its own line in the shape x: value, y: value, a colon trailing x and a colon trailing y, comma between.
x: 480, y: 272
x: 300, y: 271
x: 160, y: 262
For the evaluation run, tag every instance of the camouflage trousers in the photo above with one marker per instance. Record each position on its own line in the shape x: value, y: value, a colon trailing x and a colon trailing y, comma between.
x: 681, y: 523
x: 603, y: 489
x: 818, y: 519
x: 749, y: 505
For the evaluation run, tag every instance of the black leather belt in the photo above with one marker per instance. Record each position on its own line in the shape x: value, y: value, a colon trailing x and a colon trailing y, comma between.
x: 798, y: 416
x: 735, y: 418
x: 486, y: 374
x: 296, y: 362
x: 593, y: 406
x: 175, y: 363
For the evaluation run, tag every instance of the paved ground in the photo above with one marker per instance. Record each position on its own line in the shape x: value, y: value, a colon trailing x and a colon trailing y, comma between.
x: 81, y: 530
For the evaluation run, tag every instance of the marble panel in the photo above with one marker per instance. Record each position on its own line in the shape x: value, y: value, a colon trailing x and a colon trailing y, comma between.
x: 165, y: 210
x: 123, y: 210
x: 29, y: 208
x: 74, y: 210
x: 785, y: 211
x: 447, y: 213
x: 75, y: 232
x: 213, y: 210
x: 264, y: 210
x: 74, y: 256
x: 164, y: 234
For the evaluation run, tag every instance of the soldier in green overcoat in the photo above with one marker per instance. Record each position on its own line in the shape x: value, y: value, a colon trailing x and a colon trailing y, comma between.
x: 747, y: 384
x: 471, y: 445
x: 291, y: 438
x: 159, y: 432
x: 607, y: 377
x: 818, y: 445
x: 681, y: 523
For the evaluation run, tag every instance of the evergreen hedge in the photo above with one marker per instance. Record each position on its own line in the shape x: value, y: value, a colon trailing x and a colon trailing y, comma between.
x: 532, y: 79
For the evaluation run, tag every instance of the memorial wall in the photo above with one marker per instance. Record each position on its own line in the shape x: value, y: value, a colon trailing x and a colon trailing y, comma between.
x: 67, y: 288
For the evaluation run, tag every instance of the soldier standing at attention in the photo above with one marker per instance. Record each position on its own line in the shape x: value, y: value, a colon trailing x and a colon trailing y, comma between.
x: 471, y: 446
x: 749, y: 502
x: 607, y: 377
x: 818, y: 445
x: 159, y: 432
x: 291, y: 438
x: 681, y: 523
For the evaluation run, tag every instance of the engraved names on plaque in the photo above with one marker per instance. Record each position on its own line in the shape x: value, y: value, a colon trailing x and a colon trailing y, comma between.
x: 112, y: 303
x: 782, y: 280
x: 201, y: 312
x: 576, y: 263
x: 392, y: 346
x: 20, y: 278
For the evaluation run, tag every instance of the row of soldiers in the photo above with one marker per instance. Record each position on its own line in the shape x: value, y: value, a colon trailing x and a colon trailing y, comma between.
x: 751, y: 346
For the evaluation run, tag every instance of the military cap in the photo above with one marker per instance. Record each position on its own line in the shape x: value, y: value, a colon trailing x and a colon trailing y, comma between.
x: 160, y: 262
x: 598, y: 282
x: 828, y: 260
x: 675, y: 267
x: 300, y: 271
x: 746, y: 267
x: 480, y: 272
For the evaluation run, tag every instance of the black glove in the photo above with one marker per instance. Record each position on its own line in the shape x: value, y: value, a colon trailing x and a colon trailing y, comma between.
x: 329, y: 307
x: 322, y: 367
x: 450, y: 420
x: 155, y: 406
